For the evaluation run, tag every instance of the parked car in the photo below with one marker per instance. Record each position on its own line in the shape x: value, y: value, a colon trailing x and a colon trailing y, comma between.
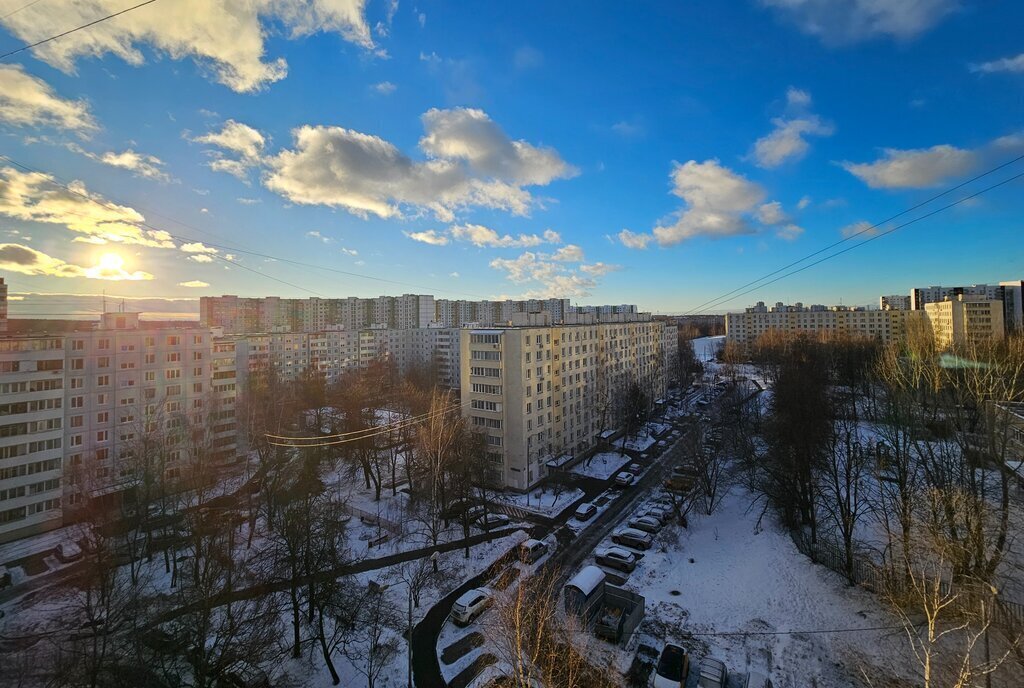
x: 636, y: 469
x: 661, y: 513
x: 672, y: 669
x: 752, y: 680
x: 532, y: 550
x: 616, y: 558
x: 712, y: 673
x: 625, y: 479
x: 471, y: 605
x: 585, y: 511
x: 492, y: 521
x: 648, y: 524
x: 631, y: 537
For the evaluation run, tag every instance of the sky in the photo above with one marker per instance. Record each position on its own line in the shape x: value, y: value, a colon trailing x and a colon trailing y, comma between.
x: 657, y: 153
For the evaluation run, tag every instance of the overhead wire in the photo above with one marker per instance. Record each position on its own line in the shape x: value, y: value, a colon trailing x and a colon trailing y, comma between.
x: 23, y: 7
x: 69, y: 31
x: 865, y: 230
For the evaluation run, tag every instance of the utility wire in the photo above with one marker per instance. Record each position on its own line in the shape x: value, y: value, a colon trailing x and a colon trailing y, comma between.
x: 23, y: 7
x: 70, y: 31
x: 365, y: 430
x: 862, y: 231
x: 868, y: 240
x: 378, y: 430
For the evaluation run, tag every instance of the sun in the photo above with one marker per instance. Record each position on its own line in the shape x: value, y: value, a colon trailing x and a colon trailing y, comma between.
x: 111, y: 261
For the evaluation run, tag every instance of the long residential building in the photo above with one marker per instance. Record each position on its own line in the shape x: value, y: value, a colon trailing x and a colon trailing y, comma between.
x: 837, y: 320
x: 543, y: 393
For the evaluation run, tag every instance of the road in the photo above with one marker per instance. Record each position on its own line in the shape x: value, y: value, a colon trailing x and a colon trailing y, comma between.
x: 427, y: 670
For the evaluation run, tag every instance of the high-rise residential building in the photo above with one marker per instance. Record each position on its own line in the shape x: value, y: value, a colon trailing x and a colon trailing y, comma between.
x: 31, y: 435
x: 133, y: 389
x: 894, y: 302
x: 1008, y: 293
x: 540, y: 392
x: 965, y: 320
x: 3, y: 305
x: 835, y: 320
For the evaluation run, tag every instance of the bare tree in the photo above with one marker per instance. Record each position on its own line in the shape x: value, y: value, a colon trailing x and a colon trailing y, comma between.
x: 373, y: 642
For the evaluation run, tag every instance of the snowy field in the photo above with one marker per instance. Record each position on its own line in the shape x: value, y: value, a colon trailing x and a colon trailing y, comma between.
x: 723, y: 576
x: 603, y: 465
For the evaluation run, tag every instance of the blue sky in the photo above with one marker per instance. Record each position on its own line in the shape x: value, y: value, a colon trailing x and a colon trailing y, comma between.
x: 651, y: 153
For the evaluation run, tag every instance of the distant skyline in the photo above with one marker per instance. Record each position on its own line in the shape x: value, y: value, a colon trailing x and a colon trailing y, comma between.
x: 660, y: 154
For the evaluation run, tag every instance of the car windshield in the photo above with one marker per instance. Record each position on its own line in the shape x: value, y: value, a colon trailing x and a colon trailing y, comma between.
x: 670, y: 665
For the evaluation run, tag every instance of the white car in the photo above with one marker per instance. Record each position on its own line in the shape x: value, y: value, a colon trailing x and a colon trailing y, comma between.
x: 647, y: 524
x: 471, y: 605
x: 625, y: 479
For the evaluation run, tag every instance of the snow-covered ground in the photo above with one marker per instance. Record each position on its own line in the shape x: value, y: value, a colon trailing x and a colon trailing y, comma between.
x: 725, y: 576
x: 603, y: 465
x: 544, y: 501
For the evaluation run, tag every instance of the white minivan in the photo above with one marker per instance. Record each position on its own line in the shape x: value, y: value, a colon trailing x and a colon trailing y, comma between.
x: 532, y: 550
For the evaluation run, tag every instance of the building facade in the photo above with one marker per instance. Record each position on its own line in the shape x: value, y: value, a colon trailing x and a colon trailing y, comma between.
x: 894, y: 302
x: 541, y: 392
x: 31, y: 435
x: 965, y: 320
x: 746, y: 327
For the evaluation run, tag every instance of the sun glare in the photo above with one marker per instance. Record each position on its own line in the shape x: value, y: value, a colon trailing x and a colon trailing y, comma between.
x: 111, y: 261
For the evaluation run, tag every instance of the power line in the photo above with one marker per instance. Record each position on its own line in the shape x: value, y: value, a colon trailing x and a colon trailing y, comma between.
x: 23, y: 7
x: 373, y: 432
x: 71, y: 31
x: 873, y: 227
x: 56, y: 181
x: 868, y: 240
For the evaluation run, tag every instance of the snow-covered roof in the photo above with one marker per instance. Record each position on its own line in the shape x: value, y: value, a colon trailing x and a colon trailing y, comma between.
x: 587, y: 579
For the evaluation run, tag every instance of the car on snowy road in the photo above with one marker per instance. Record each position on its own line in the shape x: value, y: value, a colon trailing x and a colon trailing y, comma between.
x: 633, y: 538
x: 616, y: 558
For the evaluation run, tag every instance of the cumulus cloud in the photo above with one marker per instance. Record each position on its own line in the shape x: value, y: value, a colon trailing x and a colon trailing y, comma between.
x: 485, y: 237
x: 470, y: 162
x: 226, y: 38
x: 28, y: 261
x: 430, y: 236
x: 915, y: 169
x: 314, y: 234
x: 599, y: 269
x: 636, y: 240
x: 32, y: 196
x: 243, y: 146
x: 199, y: 252
x: 804, y: 203
x: 789, y: 232
x: 1005, y: 64
x: 194, y: 284
x: 26, y: 100
x: 385, y: 88
x: 862, y: 228
x: 570, y: 253
x: 771, y: 214
x: 841, y: 22
x: 140, y: 164
x: 561, y: 273
x: 787, y: 140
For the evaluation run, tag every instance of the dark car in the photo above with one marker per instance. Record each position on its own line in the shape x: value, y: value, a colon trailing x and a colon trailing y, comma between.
x: 673, y: 667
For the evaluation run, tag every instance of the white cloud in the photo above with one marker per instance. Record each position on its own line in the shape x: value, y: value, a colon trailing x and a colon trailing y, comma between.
x: 786, y: 141
x: 198, y: 247
x: 804, y: 203
x: 789, y: 232
x: 226, y: 38
x: 485, y: 237
x: 194, y: 284
x: 314, y: 234
x: 430, y: 236
x: 244, y: 143
x: 349, y: 251
x: 636, y: 240
x: 771, y: 214
x: 142, y: 165
x: 841, y: 22
x: 1005, y: 64
x: 201, y: 258
x: 915, y: 169
x: 28, y: 261
x: 599, y: 269
x: 471, y: 163
x: 26, y: 100
x: 628, y: 129
x: 570, y: 253
x: 385, y: 88
x: 862, y: 228
x: 797, y: 98
x: 32, y: 196
x: 454, y: 274
x: 249, y: 201
x: 717, y: 201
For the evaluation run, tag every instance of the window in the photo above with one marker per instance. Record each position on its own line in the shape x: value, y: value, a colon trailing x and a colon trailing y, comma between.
x: 197, y: 355
x: 150, y: 376
x: 101, y: 399
x: 197, y: 372
x: 197, y: 388
x: 150, y: 341
x: 173, y: 340
x: 150, y: 359
x: 174, y: 357
x: 102, y: 417
x: 77, y: 364
x: 103, y: 362
x: 172, y: 374
x: 78, y: 345
x: 197, y: 339
x: 102, y: 380
x: 77, y: 402
x: 102, y: 435
x: 103, y: 344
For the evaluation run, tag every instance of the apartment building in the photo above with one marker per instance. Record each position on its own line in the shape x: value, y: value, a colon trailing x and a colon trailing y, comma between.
x: 541, y: 391
x: 894, y: 302
x: 131, y: 388
x: 3, y: 305
x: 965, y: 320
x: 31, y: 435
x: 1010, y: 294
x: 835, y: 320
x: 670, y: 349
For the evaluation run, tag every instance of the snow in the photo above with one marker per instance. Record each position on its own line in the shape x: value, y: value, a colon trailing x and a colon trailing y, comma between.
x: 728, y: 576
x: 587, y: 579
x: 603, y: 465
x: 541, y: 500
